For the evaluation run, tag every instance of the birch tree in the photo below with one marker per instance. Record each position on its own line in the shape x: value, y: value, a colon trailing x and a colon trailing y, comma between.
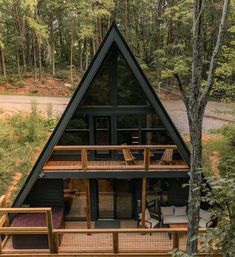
x: 195, y: 97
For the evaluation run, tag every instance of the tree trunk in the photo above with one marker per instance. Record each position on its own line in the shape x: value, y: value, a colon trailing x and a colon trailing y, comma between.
x: 39, y: 60
x: 100, y: 29
x: 86, y: 54
x: 3, y: 64
x: 18, y: 64
x: 34, y: 60
x: 20, y: 28
x: 195, y: 99
x: 195, y: 127
x: 52, y: 51
x: 71, y: 60
x: 81, y: 55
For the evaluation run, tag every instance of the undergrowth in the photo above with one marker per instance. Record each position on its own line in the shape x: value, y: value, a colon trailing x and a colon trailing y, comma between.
x: 21, y: 140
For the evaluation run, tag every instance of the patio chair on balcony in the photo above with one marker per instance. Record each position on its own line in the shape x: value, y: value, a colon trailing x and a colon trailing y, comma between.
x: 167, y: 157
x: 128, y: 156
x: 151, y: 219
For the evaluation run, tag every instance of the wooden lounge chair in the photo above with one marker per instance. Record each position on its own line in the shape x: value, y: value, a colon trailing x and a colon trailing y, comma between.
x: 151, y: 219
x: 167, y: 157
x: 128, y: 156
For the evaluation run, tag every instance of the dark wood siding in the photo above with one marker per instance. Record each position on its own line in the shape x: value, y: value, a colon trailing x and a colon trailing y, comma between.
x: 46, y: 193
x: 177, y: 195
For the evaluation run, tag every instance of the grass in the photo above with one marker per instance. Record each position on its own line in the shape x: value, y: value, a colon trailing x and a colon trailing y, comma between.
x: 223, y: 143
x: 21, y: 140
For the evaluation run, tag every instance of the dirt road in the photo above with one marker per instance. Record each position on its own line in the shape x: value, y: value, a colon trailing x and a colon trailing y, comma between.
x: 216, y: 114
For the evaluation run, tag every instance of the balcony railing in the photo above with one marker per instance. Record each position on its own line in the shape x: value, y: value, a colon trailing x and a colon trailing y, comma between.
x: 98, y: 241
x: 144, y: 158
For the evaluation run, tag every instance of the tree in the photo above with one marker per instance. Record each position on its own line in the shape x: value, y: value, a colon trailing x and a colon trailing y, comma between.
x: 195, y: 97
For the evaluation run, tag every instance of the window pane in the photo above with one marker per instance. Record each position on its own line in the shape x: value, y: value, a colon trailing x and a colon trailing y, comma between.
x: 75, y: 202
x: 128, y: 121
x: 156, y: 137
x: 129, y: 137
x: 74, y: 138
x: 99, y: 92
x: 79, y: 122
x: 128, y: 89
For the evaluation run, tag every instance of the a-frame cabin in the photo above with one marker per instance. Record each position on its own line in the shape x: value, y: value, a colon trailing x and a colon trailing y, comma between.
x: 115, y: 151
x: 113, y: 133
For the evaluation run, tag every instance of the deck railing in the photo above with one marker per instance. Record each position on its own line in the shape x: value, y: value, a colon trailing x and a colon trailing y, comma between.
x: 97, y: 241
x: 145, y: 158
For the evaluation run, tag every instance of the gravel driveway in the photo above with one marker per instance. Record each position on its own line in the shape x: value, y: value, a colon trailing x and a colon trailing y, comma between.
x: 216, y: 115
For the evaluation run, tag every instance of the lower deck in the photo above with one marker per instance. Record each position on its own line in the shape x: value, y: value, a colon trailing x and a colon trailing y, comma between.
x: 84, y: 242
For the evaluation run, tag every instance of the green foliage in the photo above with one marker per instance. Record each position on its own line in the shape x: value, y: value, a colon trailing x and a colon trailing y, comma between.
x: 21, y: 139
x: 222, y: 195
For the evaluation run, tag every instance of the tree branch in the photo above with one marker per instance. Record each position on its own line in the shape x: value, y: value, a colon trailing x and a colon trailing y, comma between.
x: 181, y: 88
x: 204, y: 96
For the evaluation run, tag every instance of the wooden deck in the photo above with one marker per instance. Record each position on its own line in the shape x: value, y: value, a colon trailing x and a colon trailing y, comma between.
x: 76, y: 239
x: 81, y: 242
x: 147, y: 160
x: 112, y: 165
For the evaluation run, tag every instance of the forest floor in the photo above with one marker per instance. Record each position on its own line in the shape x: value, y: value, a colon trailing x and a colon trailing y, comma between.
x: 49, y: 86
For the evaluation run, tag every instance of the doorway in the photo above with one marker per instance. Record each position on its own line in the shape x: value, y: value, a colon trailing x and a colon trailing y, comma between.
x: 115, y: 199
x: 102, y: 134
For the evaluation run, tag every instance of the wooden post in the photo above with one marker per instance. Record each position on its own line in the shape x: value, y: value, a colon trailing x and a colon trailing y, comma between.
x: 88, y: 203
x: 175, y: 240
x: 143, y: 205
x: 3, y: 204
x: 0, y: 244
x: 84, y: 159
x: 146, y: 158
x: 115, y: 242
x: 51, y: 241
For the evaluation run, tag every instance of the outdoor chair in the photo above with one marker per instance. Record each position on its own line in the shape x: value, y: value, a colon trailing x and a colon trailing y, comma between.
x: 128, y: 156
x: 151, y: 219
x: 206, y: 219
x: 167, y: 157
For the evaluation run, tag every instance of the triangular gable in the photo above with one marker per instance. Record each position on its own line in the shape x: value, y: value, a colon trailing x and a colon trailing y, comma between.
x: 113, y: 36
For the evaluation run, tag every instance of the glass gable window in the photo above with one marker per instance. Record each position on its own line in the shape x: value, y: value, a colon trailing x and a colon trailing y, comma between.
x: 129, y: 92
x: 99, y: 92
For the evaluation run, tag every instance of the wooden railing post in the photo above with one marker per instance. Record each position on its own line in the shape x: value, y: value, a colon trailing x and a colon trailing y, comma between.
x: 51, y: 239
x: 175, y: 240
x: 56, y: 241
x: 88, y: 203
x: 3, y: 204
x: 146, y: 158
x: 84, y: 158
x: 143, y: 201
x: 115, y: 242
x: 0, y: 244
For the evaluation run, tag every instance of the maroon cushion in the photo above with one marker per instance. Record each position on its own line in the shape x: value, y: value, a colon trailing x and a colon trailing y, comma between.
x: 38, y: 219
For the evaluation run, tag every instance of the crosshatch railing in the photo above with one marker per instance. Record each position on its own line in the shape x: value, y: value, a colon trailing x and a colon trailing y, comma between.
x: 131, y: 157
x: 113, y: 241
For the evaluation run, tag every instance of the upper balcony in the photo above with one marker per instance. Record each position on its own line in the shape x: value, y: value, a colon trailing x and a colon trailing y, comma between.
x: 150, y: 158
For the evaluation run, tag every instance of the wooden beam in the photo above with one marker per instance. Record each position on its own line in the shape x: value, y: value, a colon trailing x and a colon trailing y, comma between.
x: 88, y: 203
x: 175, y: 240
x: 51, y: 239
x: 84, y: 159
x: 24, y: 210
x: 115, y: 242
x: 143, y: 201
x: 112, y: 147
x: 146, y: 158
x: 3, y: 201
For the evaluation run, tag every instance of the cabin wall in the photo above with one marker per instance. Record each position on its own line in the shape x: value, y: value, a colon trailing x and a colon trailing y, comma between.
x: 46, y: 193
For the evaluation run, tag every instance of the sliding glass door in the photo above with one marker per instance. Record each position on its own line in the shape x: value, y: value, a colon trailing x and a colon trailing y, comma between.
x: 114, y: 199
